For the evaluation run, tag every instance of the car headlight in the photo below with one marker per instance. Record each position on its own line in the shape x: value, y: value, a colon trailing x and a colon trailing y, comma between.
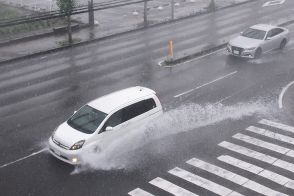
x: 78, y: 145
x: 250, y: 49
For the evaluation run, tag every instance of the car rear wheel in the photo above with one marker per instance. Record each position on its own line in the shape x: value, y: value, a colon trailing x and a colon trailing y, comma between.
x: 283, y: 44
x: 258, y: 53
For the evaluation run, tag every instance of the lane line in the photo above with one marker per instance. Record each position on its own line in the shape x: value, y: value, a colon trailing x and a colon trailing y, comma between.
x: 170, y: 187
x: 233, y: 177
x: 23, y: 158
x: 277, y: 178
x: 203, y: 85
x: 277, y: 125
x: 199, y: 181
x: 259, y: 156
x: 139, y: 192
x: 261, y: 143
x: 280, y: 101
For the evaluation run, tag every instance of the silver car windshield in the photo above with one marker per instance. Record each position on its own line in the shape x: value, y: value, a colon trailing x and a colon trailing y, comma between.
x: 254, y: 34
x: 87, y: 119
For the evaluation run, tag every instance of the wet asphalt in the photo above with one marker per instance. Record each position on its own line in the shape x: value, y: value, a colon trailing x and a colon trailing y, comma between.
x: 38, y: 94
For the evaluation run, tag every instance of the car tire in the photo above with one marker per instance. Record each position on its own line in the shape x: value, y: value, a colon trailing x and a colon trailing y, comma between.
x: 283, y: 44
x: 258, y: 53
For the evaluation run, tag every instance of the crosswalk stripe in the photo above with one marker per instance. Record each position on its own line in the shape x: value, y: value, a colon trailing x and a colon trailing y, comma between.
x: 199, y: 181
x: 217, y: 171
x: 263, y: 144
x: 170, y: 187
x: 277, y: 125
x: 139, y: 192
x: 240, y: 164
x: 248, y: 152
x: 285, y: 165
x: 279, y: 179
x: 271, y: 134
x: 233, y: 177
x: 257, y: 155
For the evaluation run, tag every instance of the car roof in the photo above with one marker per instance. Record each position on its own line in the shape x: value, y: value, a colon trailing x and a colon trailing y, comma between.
x: 109, y: 102
x: 263, y: 27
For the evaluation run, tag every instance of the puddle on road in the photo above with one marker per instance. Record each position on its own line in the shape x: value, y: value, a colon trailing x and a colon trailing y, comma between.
x: 122, y: 153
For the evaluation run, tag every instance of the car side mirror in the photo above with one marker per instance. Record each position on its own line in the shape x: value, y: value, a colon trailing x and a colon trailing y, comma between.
x: 109, y: 128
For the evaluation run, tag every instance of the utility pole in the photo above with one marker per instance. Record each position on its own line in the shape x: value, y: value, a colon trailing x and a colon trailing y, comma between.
x: 145, y: 14
x: 91, y: 13
x: 172, y: 9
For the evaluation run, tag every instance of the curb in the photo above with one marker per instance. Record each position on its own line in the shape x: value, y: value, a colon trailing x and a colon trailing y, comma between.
x: 201, y: 12
x: 38, y: 35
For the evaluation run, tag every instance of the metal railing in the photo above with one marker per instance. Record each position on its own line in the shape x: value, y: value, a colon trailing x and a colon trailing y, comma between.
x: 58, y: 14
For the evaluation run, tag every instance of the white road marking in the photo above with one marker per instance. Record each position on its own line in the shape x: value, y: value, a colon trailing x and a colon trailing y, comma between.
x: 271, y: 134
x: 261, y: 143
x: 217, y: 171
x: 23, y: 158
x: 273, y: 2
x: 240, y: 164
x: 257, y: 155
x: 213, y: 81
x: 139, y: 192
x: 277, y: 125
x: 199, y: 181
x: 233, y: 177
x: 170, y: 187
x: 280, y: 101
x: 248, y: 152
x: 277, y: 178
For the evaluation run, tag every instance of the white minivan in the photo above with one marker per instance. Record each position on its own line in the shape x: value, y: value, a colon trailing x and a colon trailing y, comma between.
x: 98, y: 123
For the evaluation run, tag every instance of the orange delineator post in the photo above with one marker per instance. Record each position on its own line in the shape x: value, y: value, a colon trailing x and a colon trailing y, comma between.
x: 170, y: 50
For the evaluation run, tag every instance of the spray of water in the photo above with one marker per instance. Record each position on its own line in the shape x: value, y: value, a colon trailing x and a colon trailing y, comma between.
x: 121, y: 153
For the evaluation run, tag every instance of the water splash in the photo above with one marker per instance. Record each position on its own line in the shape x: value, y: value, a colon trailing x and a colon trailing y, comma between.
x: 121, y: 154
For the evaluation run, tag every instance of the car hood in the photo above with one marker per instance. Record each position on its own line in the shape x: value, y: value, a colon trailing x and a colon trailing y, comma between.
x: 245, y: 42
x: 68, y: 136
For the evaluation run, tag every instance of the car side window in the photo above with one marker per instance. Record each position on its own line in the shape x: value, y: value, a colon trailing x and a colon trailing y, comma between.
x: 277, y: 31
x: 138, y: 108
x: 270, y: 33
x: 114, y: 120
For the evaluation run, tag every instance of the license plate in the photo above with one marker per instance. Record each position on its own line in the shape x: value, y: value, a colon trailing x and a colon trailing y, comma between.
x: 236, y: 52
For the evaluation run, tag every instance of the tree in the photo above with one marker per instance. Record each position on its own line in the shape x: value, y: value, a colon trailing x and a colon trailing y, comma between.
x: 211, y: 6
x: 66, y: 7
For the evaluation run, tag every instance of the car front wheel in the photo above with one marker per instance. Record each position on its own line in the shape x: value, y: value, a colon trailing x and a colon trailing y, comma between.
x: 283, y: 44
x: 257, y: 53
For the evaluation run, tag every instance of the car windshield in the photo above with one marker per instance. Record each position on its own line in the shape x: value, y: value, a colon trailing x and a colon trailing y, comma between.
x: 254, y: 33
x: 87, y: 119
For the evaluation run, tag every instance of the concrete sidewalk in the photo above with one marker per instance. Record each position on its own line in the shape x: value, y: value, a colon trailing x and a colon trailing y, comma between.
x: 51, y: 42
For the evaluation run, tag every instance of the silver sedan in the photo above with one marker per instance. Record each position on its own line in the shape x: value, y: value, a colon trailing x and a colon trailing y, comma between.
x: 258, y: 39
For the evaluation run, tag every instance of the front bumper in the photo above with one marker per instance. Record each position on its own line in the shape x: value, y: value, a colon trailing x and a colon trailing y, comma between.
x: 69, y: 156
x: 241, y: 53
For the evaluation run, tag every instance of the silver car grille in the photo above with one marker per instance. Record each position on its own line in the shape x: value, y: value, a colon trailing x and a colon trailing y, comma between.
x: 60, y: 144
x: 238, y: 49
